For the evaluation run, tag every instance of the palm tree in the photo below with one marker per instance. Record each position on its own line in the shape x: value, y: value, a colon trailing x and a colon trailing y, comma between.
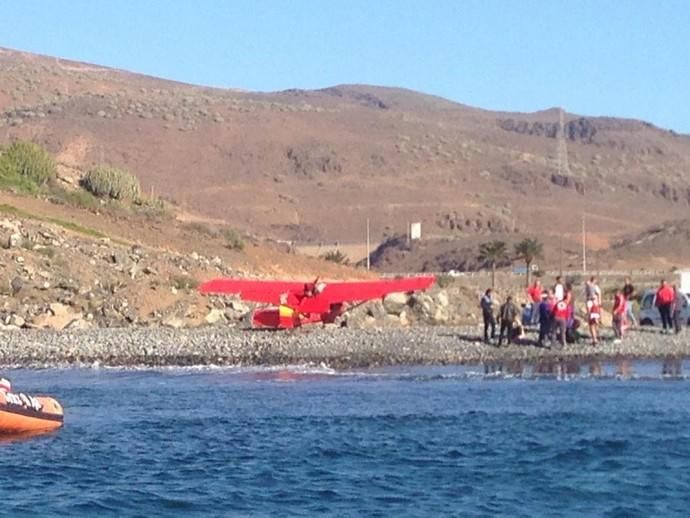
x: 528, y: 250
x: 492, y: 253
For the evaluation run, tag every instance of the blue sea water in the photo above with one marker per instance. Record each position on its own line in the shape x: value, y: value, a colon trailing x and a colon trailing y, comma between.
x: 412, y: 441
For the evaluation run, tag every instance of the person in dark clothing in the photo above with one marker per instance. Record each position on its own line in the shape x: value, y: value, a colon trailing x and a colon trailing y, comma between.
x: 487, y: 305
x: 507, y: 313
x: 545, y: 317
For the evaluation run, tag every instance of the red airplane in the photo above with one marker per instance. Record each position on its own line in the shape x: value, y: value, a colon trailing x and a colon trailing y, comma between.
x: 296, y: 303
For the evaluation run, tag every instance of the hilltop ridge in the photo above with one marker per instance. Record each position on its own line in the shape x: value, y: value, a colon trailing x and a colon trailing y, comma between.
x: 313, y: 165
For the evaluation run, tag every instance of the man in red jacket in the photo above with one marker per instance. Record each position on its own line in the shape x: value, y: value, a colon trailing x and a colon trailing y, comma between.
x: 664, y: 301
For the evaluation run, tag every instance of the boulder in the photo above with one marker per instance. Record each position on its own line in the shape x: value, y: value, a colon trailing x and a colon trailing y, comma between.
x: 57, y: 322
x: 441, y: 315
x: 58, y: 309
x: 375, y: 309
x: 442, y: 299
x: 239, y: 306
x: 16, y: 284
x: 17, y: 321
x: 79, y: 323
x: 392, y: 320
x: 215, y: 316
x: 404, y: 320
x: 173, y: 321
x: 423, y: 305
x: 15, y: 240
x: 395, y: 303
x: 12, y: 226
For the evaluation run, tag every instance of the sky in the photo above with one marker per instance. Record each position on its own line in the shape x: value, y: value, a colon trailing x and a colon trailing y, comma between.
x: 624, y: 58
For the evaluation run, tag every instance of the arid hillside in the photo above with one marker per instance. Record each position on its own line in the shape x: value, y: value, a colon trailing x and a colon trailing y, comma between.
x: 312, y: 166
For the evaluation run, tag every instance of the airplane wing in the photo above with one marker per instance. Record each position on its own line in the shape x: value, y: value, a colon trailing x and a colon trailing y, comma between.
x: 268, y: 292
x: 360, y: 291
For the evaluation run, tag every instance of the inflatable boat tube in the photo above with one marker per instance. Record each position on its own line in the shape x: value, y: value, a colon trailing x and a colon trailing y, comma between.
x: 20, y: 413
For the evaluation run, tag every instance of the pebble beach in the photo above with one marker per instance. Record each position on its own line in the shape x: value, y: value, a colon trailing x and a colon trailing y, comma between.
x: 338, y: 348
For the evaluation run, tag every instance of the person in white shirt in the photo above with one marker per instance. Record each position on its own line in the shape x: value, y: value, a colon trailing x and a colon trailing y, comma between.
x: 558, y: 290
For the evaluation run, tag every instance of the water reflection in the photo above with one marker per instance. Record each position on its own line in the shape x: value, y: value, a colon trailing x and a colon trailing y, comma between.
x: 672, y: 368
x: 624, y: 368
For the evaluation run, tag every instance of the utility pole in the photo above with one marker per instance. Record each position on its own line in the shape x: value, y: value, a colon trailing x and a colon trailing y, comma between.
x: 564, y: 169
x: 368, y: 246
x: 584, y: 245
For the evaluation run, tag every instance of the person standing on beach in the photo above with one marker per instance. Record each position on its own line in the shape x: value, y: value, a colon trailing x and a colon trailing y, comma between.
x: 592, y: 289
x: 508, y: 313
x: 534, y: 296
x: 629, y: 292
x: 664, y: 301
x: 618, y: 315
x: 545, y: 317
x: 558, y: 290
x: 593, y: 318
x: 678, y: 307
x: 560, y: 320
x: 487, y: 305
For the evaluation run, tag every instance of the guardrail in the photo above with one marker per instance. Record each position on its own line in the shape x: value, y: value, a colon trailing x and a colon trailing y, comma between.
x: 541, y: 274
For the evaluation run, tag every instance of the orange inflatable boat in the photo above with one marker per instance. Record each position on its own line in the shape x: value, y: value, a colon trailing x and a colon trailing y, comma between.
x: 20, y: 413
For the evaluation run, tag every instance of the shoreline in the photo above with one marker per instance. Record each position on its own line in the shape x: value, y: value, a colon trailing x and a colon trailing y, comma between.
x: 336, y: 348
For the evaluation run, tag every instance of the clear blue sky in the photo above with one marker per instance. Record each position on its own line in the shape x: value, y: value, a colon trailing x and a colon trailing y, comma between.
x: 628, y: 58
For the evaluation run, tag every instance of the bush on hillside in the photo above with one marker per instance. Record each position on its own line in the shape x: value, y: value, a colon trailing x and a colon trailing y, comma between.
x: 232, y: 239
x: 336, y: 256
x: 110, y: 182
x: 26, y: 165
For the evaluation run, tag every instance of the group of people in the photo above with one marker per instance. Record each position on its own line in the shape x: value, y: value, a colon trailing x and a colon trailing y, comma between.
x: 553, y: 311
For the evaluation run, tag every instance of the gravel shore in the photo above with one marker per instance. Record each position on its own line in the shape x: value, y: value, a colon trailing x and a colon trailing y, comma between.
x: 334, y: 347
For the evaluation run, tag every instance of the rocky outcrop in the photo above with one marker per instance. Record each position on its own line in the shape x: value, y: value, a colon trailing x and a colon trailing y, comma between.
x: 581, y: 129
x: 55, y: 279
x: 473, y: 223
x: 568, y: 182
x: 364, y: 98
x: 439, y: 306
x: 310, y: 161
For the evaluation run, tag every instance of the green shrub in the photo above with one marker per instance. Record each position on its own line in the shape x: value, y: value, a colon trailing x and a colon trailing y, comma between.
x: 232, y: 239
x: 445, y: 280
x: 26, y: 166
x: 336, y: 256
x: 110, y: 182
x: 152, y: 208
x: 78, y: 198
x: 202, y: 228
x: 184, y: 282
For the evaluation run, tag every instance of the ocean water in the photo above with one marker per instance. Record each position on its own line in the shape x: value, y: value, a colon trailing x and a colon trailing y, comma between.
x: 413, y: 441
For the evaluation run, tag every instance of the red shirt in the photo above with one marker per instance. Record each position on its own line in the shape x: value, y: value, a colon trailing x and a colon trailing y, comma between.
x: 664, y: 295
x: 619, y: 304
x: 561, y: 310
x: 534, y: 293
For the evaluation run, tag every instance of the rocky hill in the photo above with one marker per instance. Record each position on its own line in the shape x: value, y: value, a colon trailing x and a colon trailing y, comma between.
x: 67, y: 267
x: 312, y: 166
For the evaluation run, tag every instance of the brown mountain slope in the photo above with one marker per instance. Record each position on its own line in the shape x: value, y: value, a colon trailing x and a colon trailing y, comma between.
x: 313, y: 165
